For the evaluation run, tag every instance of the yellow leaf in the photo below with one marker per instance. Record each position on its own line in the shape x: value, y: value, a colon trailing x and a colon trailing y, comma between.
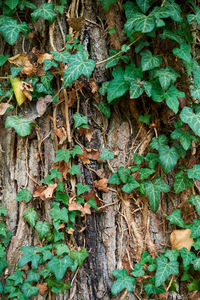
x: 181, y: 239
x: 16, y: 84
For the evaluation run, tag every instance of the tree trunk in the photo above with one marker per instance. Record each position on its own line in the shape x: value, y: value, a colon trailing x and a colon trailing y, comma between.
x: 116, y: 235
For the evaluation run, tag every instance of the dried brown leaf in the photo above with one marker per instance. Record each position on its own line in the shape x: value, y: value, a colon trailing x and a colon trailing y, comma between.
x: 22, y: 60
x: 41, y: 105
x: 84, y: 159
x: 86, y: 210
x: 27, y: 88
x: 87, y: 133
x: 42, y: 288
x: 101, y: 185
x: 74, y: 206
x: 93, y: 86
x: 3, y: 108
x: 91, y: 154
x: 94, y: 196
x: 181, y: 239
x: 61, y: 133
x: 76, y: 23
x: 42, y: 56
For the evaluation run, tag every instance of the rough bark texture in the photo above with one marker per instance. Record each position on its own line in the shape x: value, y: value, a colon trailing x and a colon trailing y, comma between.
x: 116, y: 236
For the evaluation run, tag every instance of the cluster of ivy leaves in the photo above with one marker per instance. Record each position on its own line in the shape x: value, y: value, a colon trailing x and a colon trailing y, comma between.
x: 146, y: 21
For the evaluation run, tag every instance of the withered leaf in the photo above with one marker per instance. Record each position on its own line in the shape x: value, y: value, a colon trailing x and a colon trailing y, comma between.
x: 92, y: 154
x: 45, y: 193
x: 87, y: 133
x: 76, y: 23
x: 41, y: 57
x: 94, y: 196
x: 181, y: 239
x: 84, y: 159
x: 27, y: 88
x: 3, y: 108
x: 42, y: 288
x: 93, y: 86
x: 74, y: 206
x: 61, y: 133
x: 41, y: 104
x: 101, y: 185
x: 22, y: 60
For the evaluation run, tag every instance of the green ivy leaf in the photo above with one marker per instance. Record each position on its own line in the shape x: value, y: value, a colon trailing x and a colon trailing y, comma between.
x: 15, y: 71
x: 31, y: 216
x: 153, y: 160
x: 195, y: 229
x: 16, y: 277
x: 149, y: 61
x: 145, y: 173
x: 3, y: 59
x: 107, y: 3
x: 183, y: 136
x: 194, y: 285
x: 58, y: 266
x: 130, y: 185
x: 75, y: 170
x: 46, y: 252
x: 21, y: 126
x: 79, y: 256
x: 118, y: 86
x: 152, y: 289
x: 168, y: 158
x: 123, y: 282
x: 195, y: 200
x: 106, y: 154
x: 140, y: 22
x: 48, y: 64
x: 33, y: 276
x: 3, y: 264
x: 193, y: 120
x: 153, y: 191
x: 138, y: 271
x: 46, y: 12
x: 174, y: 10
x: 144, y: 5
x: 165, y: 268
x: 29, y: 290
x: 29, y: 256
x: 171, y: 35
x: 166, y: 76
x: 42, y: 228
x: 187, y: 256
x: 81, y: 189
x: 24, y: 195
x: 11, y: 30
x: 78, y: 64
x: 63, y: 155
x: 3, y: 211
x: 194, y: 172
x: 114, y: 179
x: 196, y: 264
x: 123, y: 174
x: 145, y: 119
x: 63, y: 56
x: 61, y: 249
x: 12, y: 3
x: 76, y: 150
x: 80, y: 121
x: 183, y: 52
x: 138, y: 159
x: 182, y: 182
x: 105, y: 109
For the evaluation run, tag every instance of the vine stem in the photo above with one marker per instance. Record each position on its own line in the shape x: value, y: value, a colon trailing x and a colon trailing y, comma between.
x: 115, y: 55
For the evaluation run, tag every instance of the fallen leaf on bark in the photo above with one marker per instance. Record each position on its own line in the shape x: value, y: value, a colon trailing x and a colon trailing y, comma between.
x: 74, y: 206
x: 86, y: 210
x: 181, y: 239
x: 76, y: 23
x: 93, y: 86
x: 94, y: 196
x: 38, y: 191
x: 100, y: 173
x: 45, y: 193
x: 70, y: 231
x: 91, y: 154
x: 84, y: 159
x: 42, y: 56
x: 87, y: 133
x: 27, y: 88
x: 41, y: 104
x: 3, y: 108
x: 42, y: 288
x: 101, y: 185
x: 22, y: 60
x: 61, y: 133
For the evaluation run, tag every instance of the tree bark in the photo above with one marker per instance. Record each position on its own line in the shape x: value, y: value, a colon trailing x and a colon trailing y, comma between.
x: 116, y: 235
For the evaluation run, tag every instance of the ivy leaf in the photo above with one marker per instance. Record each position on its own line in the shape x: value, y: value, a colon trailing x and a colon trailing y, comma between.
x: 29, y: 290
x: 63, y: 155
x: 105, y: 109
x: 168, y: 158
x: 3, y: 59
x: 165, y: 268
x: 12, y: 3
x: 183, y: 52
x: 17, y: 277
x: 176, y: 219
x: 21, y: 126
x: 78, y: 64
x: 194, y: 172
x: 3, y: 264
x: 61, y: 56
x: 29, y: 256
x: 106, y: 154
x: 174, y: 10
x: 145, y: 119
x: 114, y: 179
x: 138, y: 271
x: 183, y: 136
x: 136, y: 89
x: 182, y: 182
x: 3, y: 211
x: 107, y: 3
x: 187, y: 256
x: 145, y: 172
x: 123, y: 174
x: 75, y: 170
x: 196, y: 264
x: 118, y: 86
x: 166, y: 76
x: 42, y: 228
x: 193, y: 120
x: 144, y: 5
x: 130, y: 185
x: 61, y: 249
x: 152, y: 289
x: 33, y: 276
x: 15, y: 71
x: 76, y: 150
x: 140, y: 22
x: 11, y: 30
x: 81, y: 189
x: 46, y: 12
x: 195, y: 200
x: 80, y: 121
x: 171, y: 35
x: 149, y: 61
x: 172, y: 254
x: 46, y: 252
x: 24, y: 195
x: 31, y: 216
x: 59, y: 266
x: 138, y: 159
x: 195, y: 229
x: 123, y: 282
x: 79, y: 256
x: 48, y: 64
x: 158, y: 142
x: 153, y: 191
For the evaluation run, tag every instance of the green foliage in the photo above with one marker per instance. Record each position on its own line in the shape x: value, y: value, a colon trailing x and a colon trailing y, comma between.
x: 176, y: 219
x: 165, y: 268
x: 42, y: 229
x: 46, y: 12
x: 29, y: 256
x: 107, y: 3
x: 63, y: 155
x: 195, y: 200
x: 58, y: 266
x: 194, y: 172
x: 149, y: 61
x: 123, y: 282
x: 3, y: 59
x: 31, y: 216
x: 106, y: 154
x: 24, y: 195
x: 10, y: 29
x: 182, y: 182
x: 193, y: 120
x: 80, y: 121
x: 79, y: 256
x: 21, y: 126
